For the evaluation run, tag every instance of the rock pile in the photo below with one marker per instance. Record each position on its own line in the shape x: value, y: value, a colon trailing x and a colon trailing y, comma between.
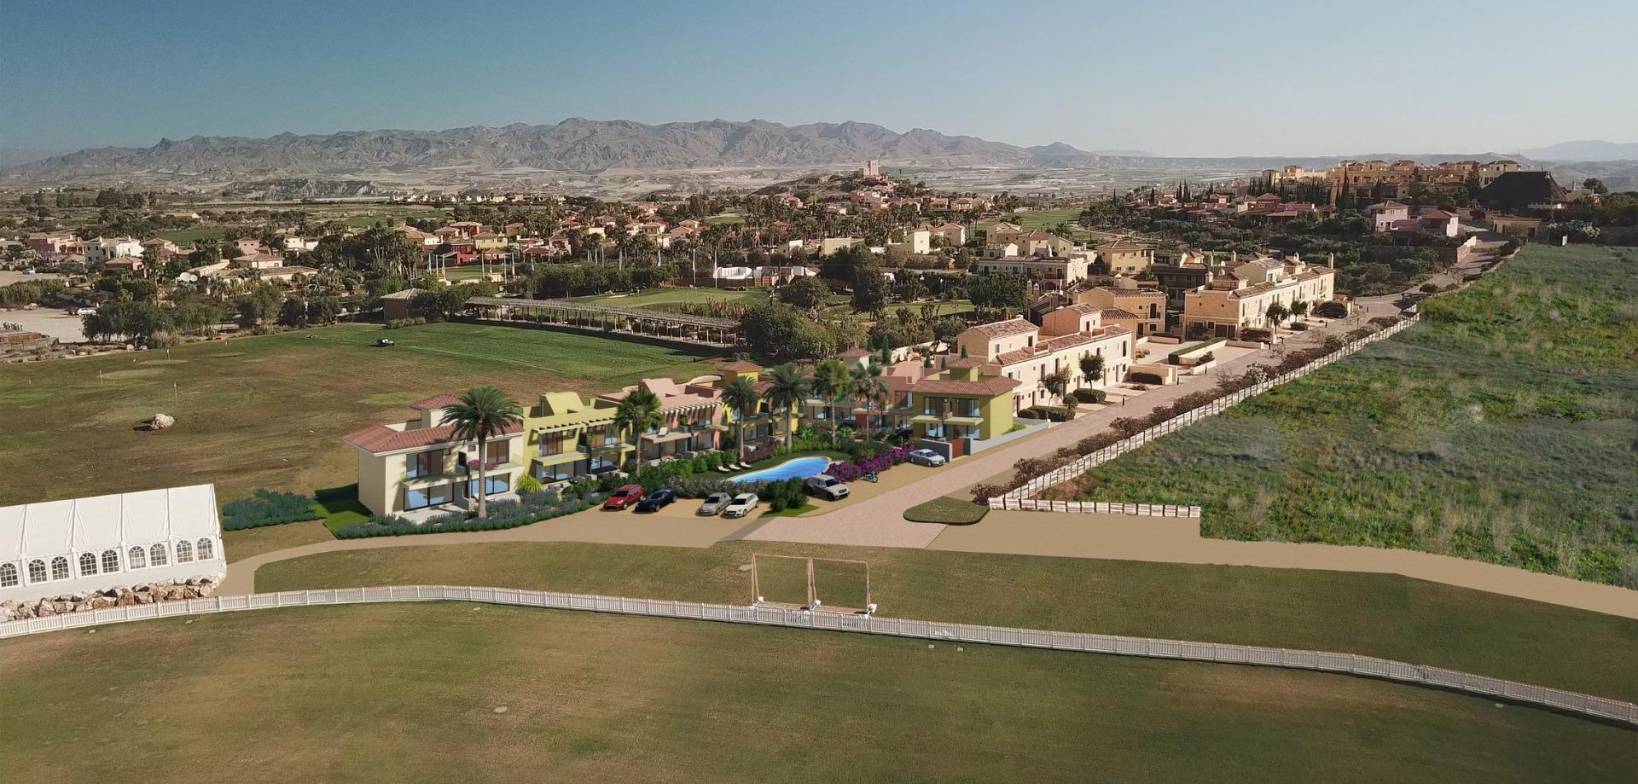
x: 121, y: 596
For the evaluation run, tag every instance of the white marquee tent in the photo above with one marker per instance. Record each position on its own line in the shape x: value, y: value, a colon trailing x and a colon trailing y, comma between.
x: 91, y: 544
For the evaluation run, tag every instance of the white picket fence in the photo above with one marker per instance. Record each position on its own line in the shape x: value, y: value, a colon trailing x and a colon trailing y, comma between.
x: 1351, y: 664
x: 1093, y: 507
x: 1079, y: 466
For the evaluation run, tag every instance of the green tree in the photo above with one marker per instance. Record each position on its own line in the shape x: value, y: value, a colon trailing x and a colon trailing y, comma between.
x: 787, y: 389
x: 870, y: 289
x: 806, y: 293
x: 481, y: 414
x: 866, y: 385
x: 1059, y: 384
x: 1092, y: 368
x: 830, y: 379
x: 741, y: 397
x: 1001, y: 290
x: 1277, y: 313
x: 639, y: 412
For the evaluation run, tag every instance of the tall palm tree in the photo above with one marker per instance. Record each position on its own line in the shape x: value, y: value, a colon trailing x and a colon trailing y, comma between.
x: 740, y: 396
x: 480, y: 414
x: 866, y: 385
x: 640, y: 412
x: 830, y: 380
x: 786, y: 390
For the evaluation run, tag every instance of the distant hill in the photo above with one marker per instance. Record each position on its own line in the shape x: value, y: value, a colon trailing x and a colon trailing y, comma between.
x: 1588, y: 150
x: 575, y: 145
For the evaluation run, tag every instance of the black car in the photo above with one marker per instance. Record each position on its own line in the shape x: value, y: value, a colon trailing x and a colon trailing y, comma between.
x: 653, y: 501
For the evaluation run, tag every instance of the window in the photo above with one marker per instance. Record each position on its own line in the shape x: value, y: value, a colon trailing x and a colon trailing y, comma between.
x: 424, y: 464
x: 497, y: 452
x: 555, y: 443
x: 137, y: 557
x: 157, y: 555
x: 110, y: 561
x: 557, y: 473
x: 424, y: 497
x: 184, y: 552
x: 207, y: 549
x: 495, y: 485
x: 36, y: 571
x: 88, y: 564
x: 8, y: 575
x: 59, y: 568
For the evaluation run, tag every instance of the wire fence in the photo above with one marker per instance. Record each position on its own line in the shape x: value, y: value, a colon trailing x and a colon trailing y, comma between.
x: 1321, y: 661
x: 1075, y: 468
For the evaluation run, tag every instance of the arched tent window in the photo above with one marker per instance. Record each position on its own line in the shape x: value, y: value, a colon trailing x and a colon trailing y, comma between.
x: 207, y: 549
x: 110, y: 561
x: 184, y: 551
x: 8, y: 575
x: 88, y: 564
x: 138, y: 557
x: 157, y: 555
x: 59, y: 568
x: 36, y: 571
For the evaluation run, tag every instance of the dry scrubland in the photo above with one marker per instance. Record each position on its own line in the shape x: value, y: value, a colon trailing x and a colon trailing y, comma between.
x: 1503, y: 428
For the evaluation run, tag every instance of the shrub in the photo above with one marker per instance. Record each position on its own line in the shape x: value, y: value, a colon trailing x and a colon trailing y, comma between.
x: 1332, y: 309
x: 1091, y: 395
x: 529, y: 508
x: 1145, y: 378
x: 405, y: 322
x: 266, y: 507
x: 529, y: 484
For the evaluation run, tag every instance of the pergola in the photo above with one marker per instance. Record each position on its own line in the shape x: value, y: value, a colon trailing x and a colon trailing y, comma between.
x: 702, y: 330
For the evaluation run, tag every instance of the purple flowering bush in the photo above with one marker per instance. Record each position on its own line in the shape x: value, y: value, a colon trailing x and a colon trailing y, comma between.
x: 848, y: 472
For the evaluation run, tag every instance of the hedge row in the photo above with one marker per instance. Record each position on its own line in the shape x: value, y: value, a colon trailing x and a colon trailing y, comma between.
x: 529, y: 508
x: 267, y: 507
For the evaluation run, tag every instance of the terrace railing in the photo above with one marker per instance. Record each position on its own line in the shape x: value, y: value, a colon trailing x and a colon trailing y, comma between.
x: 1602, y: 708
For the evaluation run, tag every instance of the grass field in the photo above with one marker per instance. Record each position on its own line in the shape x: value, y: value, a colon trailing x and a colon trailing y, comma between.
x: 411, y: 693
x: 1501, y: 429
x: 1379, y: 615
x: 673, y: 298
x: 270, y: 411
x: 947, y: 510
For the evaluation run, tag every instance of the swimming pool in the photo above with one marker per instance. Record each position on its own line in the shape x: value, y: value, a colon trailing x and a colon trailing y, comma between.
x: 797, y: 468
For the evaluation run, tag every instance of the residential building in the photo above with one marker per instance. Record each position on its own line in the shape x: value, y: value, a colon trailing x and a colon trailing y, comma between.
x: 1043, y: 243
x: 954, y: 235
x: 421, y: 464
x: 831, y: 245
x: 1384, y: 214
x: 960, y: 404
x: 1148, y: 305
x: 1176, y: 280
x: 127, y: 265
x: 1020, y: 351
x: 102, y: 250
x: 693, y: 417
x: 567, y: 438
x: 1062, y: 272
x: 1240, y: 298
x: 1125, y: 257
x: 915, y: 242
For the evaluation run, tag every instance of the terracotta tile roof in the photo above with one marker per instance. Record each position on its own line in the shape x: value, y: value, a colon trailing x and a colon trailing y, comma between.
x: 435, y: 402
x: 961, y: 363
x: 739, y: 366
x: 998, y: 329
x: 989, y: 387
x: 380, y: 439
x: 1119, y: 313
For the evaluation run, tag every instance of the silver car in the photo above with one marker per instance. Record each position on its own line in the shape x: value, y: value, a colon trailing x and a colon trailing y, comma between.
x: 740, y: 506
x: 714, y: 504
x: 927, y: 457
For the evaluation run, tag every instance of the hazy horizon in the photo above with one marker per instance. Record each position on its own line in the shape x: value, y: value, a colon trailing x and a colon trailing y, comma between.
x: 1275, y: 80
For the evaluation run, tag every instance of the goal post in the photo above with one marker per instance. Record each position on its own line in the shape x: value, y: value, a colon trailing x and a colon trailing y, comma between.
x: 800, y: 582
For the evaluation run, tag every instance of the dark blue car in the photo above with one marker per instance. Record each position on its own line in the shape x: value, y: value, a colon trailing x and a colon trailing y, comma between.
x: 653, y: 501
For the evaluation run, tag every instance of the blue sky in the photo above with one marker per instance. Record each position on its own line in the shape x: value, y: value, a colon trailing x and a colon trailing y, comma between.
x: 1292, y: 78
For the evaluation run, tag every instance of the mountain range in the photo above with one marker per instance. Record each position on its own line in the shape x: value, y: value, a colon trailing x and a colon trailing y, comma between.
x: 613, y: 148
x: 1585, y: 150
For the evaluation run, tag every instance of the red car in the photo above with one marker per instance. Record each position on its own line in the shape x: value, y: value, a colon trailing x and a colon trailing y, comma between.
x: 624, y: 496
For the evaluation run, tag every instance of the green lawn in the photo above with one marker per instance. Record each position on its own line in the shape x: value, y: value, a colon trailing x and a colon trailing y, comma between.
x: 1501, y: 429
x: 270, y: 411
x: 1380, y: 615
x: 667, y: 298
x: 338, y: 507
x: 950, y: 511
x: 411, y: 693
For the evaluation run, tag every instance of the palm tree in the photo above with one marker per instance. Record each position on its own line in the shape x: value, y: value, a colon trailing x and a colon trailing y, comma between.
x: 641, y: 412
x: 740, y: 396
x: 830, y: 380
x: 480, y: 414
x: 786, y: 390
x: 866, y: 385
x: 1092, y: 368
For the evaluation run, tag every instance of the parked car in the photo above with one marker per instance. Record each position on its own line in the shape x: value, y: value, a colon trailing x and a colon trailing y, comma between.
x: 657, y: 499
x: 714, y: 504
x: 740, y: 506
x: 927, y: 457
x: 827, y: 487
x: 624, y: 496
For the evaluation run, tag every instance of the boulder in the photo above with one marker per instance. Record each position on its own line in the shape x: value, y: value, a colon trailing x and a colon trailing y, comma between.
x: 161, y: 421
x: 100, y: 602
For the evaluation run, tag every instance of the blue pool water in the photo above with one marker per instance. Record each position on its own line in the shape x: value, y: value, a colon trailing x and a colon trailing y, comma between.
x: 798, y: 468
